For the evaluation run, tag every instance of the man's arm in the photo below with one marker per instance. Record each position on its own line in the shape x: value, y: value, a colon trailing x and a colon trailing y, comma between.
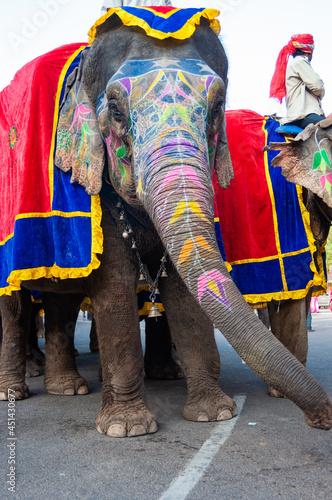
x: 312, y: 81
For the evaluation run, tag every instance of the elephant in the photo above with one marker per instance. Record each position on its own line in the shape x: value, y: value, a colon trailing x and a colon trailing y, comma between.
x: 156, y: 109
x: 248, y: 132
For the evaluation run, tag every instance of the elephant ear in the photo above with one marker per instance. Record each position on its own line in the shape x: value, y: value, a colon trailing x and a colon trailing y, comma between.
x: 222, y: 160
x: 80, y: 146
x: 307, y: 160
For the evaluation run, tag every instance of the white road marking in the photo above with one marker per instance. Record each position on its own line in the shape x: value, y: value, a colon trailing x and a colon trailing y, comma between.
x: 181, y: 486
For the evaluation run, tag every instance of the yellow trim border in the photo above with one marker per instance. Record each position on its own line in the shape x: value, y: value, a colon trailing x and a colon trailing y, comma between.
x: 55, y: 271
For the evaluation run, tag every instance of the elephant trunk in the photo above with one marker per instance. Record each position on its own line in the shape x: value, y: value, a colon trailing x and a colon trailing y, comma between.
x: 179, y: 200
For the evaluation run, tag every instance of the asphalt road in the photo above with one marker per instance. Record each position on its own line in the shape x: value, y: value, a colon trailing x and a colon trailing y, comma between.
x: 267, y: 452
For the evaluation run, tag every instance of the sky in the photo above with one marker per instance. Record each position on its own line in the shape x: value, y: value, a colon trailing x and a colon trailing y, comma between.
x: 252, y: 32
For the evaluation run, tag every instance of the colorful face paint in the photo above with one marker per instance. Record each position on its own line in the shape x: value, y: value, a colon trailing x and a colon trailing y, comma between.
x: 322, y: 165
x: 168, y: 102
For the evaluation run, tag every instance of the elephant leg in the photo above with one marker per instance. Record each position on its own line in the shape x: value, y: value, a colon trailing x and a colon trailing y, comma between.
x: 16, y: 312
x: 35, y: 358
x: 124, y: 410
x: 61, y: 375
x: 93, y: 345
x: 112, y: 290
x: 158, y: 359
x: 288, y: 320
x: 193, y: 334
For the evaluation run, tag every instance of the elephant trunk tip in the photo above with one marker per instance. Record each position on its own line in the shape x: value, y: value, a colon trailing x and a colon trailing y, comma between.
x: 320, y: 418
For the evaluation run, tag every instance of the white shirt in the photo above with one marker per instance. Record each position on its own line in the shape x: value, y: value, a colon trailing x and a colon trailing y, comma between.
x: 304, y: 90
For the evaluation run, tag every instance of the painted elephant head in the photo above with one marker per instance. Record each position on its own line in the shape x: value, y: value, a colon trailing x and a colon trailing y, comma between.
x: 307, y: 160
x: 153, y: 112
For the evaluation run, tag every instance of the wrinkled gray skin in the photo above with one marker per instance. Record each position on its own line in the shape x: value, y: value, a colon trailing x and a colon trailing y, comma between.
x: 112, y: 287
x: 35, y: 358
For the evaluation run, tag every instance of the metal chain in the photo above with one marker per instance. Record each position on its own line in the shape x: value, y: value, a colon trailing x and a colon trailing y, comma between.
x: 128, y: 232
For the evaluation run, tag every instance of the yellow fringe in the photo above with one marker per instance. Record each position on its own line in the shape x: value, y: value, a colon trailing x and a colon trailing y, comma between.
x: 55, y: 271
x: 185, y: 32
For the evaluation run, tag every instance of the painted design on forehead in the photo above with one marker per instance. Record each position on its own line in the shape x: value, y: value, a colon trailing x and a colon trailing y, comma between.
x: 134, y: 68
x: 158, y: 91
x: 169, y: 101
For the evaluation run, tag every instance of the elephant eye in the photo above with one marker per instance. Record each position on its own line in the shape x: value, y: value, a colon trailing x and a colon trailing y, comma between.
x: 218, y: 107
x: 115, y: 112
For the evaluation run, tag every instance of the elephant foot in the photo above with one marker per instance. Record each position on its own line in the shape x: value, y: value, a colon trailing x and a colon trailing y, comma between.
x: 162, y: 369
x: 121, y: 420
x: 209, y: 407
x: 67, y: 384
x: 275, y: 394
x: 18, y: 390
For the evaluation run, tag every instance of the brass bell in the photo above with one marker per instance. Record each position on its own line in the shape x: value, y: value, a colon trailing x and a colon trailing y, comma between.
x: 122, y: 217
x: 154, y: 312
x: 163, y: 259
x: 164, y: 274
x: 118, y: 205
x: 141, y: 278
x: 130, y: 231
x: 133, y: 246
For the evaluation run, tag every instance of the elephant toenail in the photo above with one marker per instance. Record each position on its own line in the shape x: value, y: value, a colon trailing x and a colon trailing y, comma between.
x: 137, y: 430
x: 83, y: 390
x: 117, y: 430
x: 153, y: 427
x: 202, y: 418
x: 69, y: 392
x: 225, y: 415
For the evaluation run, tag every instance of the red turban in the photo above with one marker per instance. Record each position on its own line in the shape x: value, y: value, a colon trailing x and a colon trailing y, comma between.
x: 302, y: 42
